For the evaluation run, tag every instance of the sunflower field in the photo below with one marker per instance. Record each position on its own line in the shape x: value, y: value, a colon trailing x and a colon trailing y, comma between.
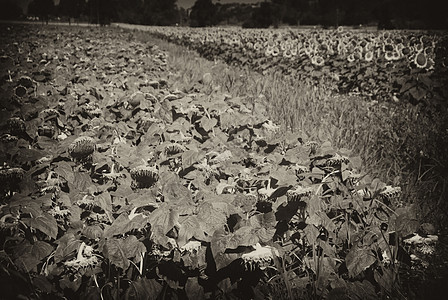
x: 399, y: 65
x: 119, y: 180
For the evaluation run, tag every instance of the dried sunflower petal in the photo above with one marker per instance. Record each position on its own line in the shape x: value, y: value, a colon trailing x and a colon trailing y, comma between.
x: 391, y: 193
x: 261, y: 257
x: 299, y: 192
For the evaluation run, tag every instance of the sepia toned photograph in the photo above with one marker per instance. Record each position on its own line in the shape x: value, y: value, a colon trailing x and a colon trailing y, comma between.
x: 223, y: 150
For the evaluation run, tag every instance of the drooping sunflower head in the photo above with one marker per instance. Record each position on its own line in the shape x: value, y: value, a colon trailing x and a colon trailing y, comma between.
x: 11, y: 175
x: 26, y: 81
x: 82, y: 147
x: 16, y: 126
x: 300, y: 169
x: 174, y: 148
x: 260, y: 258
x: 390, y: 193
x: 145, y: 176
x: 299, y: 193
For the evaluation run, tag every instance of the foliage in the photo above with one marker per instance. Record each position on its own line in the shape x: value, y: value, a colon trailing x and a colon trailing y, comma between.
x: 9, y: 10
x: 72, y: 8
x: 203, y: 13
x: 160, y: 12
x: 379, y: 65
x: 386, y: 14
x: 41, y: 8
x: 130, y: 11
x: 100, y: 11
x: 262, y: 17
x: 118, y: 186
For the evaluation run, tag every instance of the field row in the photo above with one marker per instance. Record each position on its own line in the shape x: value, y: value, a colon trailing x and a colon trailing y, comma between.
x: 117, y: 185
x: 385, y: 65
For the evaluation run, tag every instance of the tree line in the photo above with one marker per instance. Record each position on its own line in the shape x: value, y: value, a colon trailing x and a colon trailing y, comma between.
x: 387, y: 14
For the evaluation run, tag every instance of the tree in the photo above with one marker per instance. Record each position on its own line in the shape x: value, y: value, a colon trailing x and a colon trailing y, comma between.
x: 160, y: 12
x: 72, y: 8
x: 101, y: 11
x: 290, y: 11
x: 41, y: 8
x: 129, y: 11
x: 9, y: 10
x: 203, y: 13
x: 263, y: 16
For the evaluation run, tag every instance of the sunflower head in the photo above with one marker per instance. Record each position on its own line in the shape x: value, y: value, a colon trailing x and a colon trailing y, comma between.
x: 145, y: 176
x: 389, y: 55
x: 174, y: 148
x: 418, y: 47
x: 299, y: 193
x: 351, y: 57
x: 369, y: 56
x: 299, y: 169
x: 26, y: 81
x: 287, y: 53
x: 11, y: 175
x: 49, y: 113
x: 260, y: 258
x: 82, y: 147
x: 275, y: 51
x: 421, y: 60
x: 20, y: 91
x: 390, y: 193
x: 317, y: 60
x: 16, y: 126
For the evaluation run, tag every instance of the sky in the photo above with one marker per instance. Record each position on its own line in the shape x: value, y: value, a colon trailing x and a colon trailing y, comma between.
x: 189, y: 3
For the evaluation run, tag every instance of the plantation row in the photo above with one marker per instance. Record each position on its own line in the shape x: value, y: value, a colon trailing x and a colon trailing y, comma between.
x: 115, y: 186
x: 384, y: 65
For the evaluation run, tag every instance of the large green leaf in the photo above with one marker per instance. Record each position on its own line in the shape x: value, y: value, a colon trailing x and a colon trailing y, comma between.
x: 190, y: 227
x: 194, y: 290
x: 143, y: 289
x: 165, y: 217
x: 190, y: 157
x: 213, y: 215
x: 82, y: 181
x: 122, y: 225
x: 65, y: 170
x: 28, y: 256
x: 104, y: 201
x: 67, y: 245
x: 113, y: 250
x: 358, y: 259
x: 132, y: 248
x: 361, y: 290
x: 45, y: 223
x: 404, y: 221
x: 173, y: 189
x: 263, y: 226
x: 218, y: 246
x: 208, y: 124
